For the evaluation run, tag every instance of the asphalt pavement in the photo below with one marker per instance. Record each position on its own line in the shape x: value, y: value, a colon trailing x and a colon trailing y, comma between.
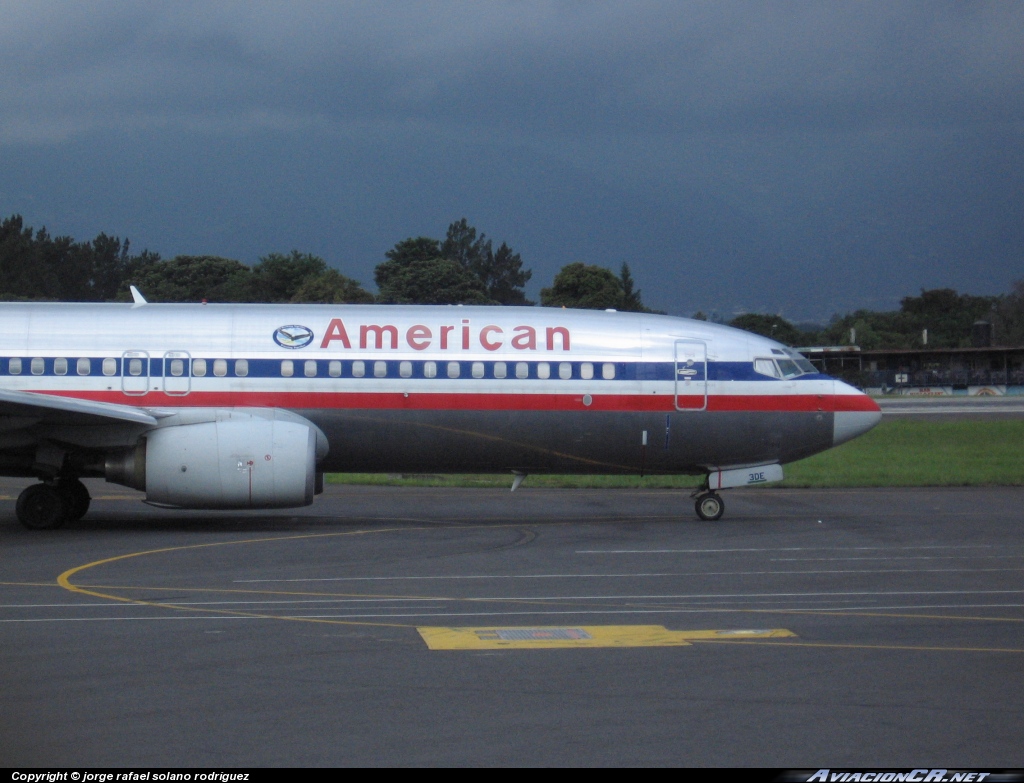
x: 476, y: 627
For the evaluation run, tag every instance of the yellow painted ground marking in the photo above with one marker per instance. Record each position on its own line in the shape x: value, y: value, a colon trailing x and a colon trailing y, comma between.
x: 64, y: 582
x: 64, y: 579
x: 538, y: 637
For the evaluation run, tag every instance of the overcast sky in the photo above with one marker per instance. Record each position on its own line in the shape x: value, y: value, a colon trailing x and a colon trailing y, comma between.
x: 800, y: 158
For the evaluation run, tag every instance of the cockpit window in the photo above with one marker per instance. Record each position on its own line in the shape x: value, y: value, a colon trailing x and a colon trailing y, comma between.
x: 801, y: 362
x: 789, y: 368
x: 792, y: 366
x: 766, y: 367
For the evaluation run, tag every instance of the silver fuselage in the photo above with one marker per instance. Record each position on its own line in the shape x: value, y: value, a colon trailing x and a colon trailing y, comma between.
x: 447, y: 389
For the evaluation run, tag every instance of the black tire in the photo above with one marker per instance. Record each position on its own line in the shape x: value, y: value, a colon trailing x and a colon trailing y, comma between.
x: 709, y: 507
x: 76, y: 498
x: 41, y: 507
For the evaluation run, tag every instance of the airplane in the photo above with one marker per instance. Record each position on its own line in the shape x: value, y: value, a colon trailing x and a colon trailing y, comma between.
x: 228, y: 406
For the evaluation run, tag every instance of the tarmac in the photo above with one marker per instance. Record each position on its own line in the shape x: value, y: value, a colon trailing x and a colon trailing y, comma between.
x: 952, y: 408
x: 476, y: 627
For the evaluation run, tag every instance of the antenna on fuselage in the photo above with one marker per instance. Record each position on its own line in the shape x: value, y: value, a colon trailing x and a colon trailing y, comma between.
x: 137, y: 298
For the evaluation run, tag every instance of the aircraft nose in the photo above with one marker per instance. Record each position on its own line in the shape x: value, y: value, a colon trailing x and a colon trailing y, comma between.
x: 855, y: 413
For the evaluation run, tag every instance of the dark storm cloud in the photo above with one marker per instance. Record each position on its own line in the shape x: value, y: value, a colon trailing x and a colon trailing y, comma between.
x: 566, y: 67
x: 736, y: 144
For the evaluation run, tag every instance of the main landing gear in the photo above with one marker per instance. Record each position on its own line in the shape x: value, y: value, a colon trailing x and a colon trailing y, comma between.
x: 49, y: 505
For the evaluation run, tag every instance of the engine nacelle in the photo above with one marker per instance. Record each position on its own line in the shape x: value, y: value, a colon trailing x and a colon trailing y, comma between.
x: 235, y: 463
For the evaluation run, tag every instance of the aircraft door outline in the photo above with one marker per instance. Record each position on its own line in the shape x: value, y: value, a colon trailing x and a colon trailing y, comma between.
x: 691, y: 375
x: 177, y: 373
x: 135, y: 373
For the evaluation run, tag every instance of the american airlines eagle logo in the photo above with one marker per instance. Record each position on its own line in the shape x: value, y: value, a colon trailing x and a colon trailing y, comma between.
x: 293, y: 336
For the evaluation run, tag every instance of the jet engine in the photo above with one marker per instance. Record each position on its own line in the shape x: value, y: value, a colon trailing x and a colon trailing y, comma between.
x: 234, y: 463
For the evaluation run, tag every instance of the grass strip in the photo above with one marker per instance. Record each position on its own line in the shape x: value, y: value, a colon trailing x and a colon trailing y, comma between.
x: 897, y: 453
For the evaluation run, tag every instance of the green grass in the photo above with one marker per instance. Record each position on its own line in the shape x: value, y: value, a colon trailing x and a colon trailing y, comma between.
x: 897, y: 453
x: 912, y: 453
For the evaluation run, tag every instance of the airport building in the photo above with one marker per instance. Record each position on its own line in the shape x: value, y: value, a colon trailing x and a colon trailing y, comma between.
x: 977, y: 371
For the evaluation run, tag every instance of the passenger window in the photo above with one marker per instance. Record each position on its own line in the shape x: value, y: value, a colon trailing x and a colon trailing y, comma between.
x: 500, y: 371
x: 405, y: 369
x: 564, y: 370
x: 380, y: 369
x: 587, y: 371
x: 241, y: 367
x: 287, y: 368
x: 608, y: 371
x: 543, y: 370
x: 60, y: 366
x: 134, y: 366
x: 14, y: 367
x: 177, y: 367
x: 453, y: 369
x: 430, y: 369
x: 522, y: 370
x: 334, y: 369
x: 477, y: 370
x: 220, y: 367
x: 766, y: 367
x: 358, y: 369
x: 84, y: 366
x: 310, y: 368
x: 198, y: 368
x: 110, y: 366
x: 38, y: 366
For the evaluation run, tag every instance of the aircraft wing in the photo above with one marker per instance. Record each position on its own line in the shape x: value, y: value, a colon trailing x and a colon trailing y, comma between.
x: 51, y: 409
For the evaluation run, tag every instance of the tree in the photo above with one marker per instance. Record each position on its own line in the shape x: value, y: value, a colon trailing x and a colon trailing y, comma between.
x: 414, y: 249
x: 947, y: 315
x: 630, y: 297
x: 462, y: 245
x: 277, y: 277
x: 193, y: 279
x: 774, y: 326
x: 584, y: 286
x: 501, y: 272
x: 504, y: 277
x: 418, y: 272
x: 1009, y: 317
x: 593, y: 288
x: 332, y: 287
x: 427, y: 281
x: 34, y: 265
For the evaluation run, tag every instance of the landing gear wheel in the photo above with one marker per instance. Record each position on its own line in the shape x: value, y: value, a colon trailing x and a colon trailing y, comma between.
x: 709, y: 506
x: 76, y: 498
x: 41, y: 507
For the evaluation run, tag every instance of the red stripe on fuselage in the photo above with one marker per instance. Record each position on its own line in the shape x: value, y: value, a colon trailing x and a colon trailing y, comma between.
x: 480, y: 402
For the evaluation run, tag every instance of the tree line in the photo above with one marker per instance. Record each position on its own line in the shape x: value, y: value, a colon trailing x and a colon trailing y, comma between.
x: 941, y: 316
x: 462, y: 268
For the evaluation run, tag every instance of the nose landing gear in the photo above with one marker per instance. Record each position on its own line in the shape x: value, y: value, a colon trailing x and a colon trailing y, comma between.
x: 709, y: 506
